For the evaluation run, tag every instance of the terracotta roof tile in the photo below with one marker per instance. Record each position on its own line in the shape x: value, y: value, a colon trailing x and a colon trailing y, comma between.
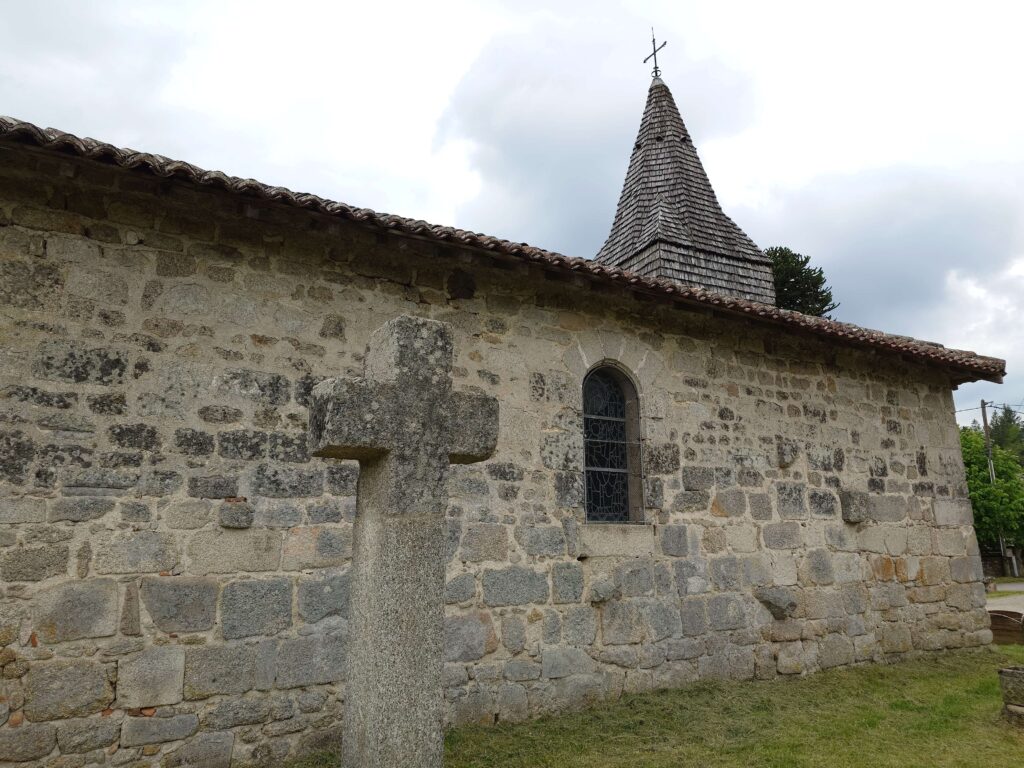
x: 966, y: 366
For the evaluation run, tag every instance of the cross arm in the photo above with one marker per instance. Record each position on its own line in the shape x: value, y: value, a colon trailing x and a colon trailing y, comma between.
x: 474, y: 424
x: 345, y: 419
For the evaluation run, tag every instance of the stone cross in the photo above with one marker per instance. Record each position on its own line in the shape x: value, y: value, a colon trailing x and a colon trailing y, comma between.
x: 405, y: 425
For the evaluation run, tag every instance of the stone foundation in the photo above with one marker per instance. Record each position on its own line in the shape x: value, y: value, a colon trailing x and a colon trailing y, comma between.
x: 175, y: 566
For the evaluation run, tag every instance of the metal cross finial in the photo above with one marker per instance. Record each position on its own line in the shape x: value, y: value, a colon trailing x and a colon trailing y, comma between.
x: 654, y: 55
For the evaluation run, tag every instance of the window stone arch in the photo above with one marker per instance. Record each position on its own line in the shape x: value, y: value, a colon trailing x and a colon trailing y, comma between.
x: 613, y: 479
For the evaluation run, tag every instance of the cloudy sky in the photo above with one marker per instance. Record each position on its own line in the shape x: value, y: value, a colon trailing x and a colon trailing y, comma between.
x: 882, y: 138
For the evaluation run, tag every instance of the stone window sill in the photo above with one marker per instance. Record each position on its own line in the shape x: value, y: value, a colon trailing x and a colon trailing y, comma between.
x: 617, y: 540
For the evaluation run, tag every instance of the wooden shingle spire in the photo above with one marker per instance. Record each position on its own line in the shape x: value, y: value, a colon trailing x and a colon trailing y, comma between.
x: 668, y: 222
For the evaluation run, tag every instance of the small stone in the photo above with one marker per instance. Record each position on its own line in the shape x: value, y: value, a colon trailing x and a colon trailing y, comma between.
x: 220, y: 414
x: 152, y: 678
x: 137, y: 552
x: 76, y: 610
x: 562, y: 662
x: 205, y: 750
x: 282, y: 482
x: 87, y: 734
x: 138, y: 731
x: 791, y: 505
x: 514, y: 586
x: 469, y: 637
x: 315, y: 660
x: 229, y: 670
x: 485, y: 541
x: 782, y: 535
x: 269, y: 388
x: 541, y: 541
x: 180, y: 603
x: 258, y: 607
x: 323, y: 596
x: 235, y: 514
x: 213, y: 487
x: 31, y: 741
x: 193, y: 442
x: 34, y: 563
x: 56, y: 690
x: 567, y: 582
x: 460, y: 589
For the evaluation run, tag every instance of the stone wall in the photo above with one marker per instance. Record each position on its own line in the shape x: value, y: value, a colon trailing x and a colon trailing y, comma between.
x: 174, y: 563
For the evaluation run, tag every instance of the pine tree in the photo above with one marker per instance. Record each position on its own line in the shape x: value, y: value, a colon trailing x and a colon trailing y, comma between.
x: 799, y: 286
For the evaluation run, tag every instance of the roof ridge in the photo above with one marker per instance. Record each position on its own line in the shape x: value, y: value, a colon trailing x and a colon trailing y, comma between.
x: 52, y: 140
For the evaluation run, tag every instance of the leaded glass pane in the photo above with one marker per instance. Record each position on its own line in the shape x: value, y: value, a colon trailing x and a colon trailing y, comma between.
x: 607, y: 496
x: 602, y: 396
x: 606, y: 449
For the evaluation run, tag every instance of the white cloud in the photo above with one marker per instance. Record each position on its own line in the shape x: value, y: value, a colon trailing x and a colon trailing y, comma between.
x: 882, y: 138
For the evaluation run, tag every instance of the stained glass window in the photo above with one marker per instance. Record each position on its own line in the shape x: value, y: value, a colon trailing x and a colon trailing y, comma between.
x: 610, y: 447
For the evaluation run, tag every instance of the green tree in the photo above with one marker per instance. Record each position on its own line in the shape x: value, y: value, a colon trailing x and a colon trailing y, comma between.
x: 798, y: 285
x: 999, y: 506
x: 1007, y: 431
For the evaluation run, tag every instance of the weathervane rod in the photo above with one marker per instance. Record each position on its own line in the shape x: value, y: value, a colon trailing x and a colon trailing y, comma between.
x: 654, y: 54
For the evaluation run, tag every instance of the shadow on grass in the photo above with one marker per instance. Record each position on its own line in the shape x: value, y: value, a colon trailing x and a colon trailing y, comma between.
x: 941, y: 711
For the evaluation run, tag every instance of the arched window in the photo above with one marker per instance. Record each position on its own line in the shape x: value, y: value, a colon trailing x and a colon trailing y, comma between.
x: 611, y: 442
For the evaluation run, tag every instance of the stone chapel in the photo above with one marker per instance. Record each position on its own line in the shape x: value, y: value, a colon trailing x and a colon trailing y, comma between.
x: 687, y: 483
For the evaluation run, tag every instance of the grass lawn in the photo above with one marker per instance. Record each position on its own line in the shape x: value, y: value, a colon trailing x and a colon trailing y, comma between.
x: 1008, y: 593
x: 941, y: 711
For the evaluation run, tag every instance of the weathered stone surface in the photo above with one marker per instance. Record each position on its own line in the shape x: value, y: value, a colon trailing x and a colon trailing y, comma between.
x: 485, y: 541
x: 725, y: 612
x: 782, y: 535
x: 514, y: 586
x: 323, y: 596
x: 781, y: 602
x: 287, y: 482
x: 31, y: 741
x: 151, y: 678
x: 205, y: 750
x: 231, y: 551
x: 257, y: 607
x: 567, y: 582
x: 270, y: 388
x: 137, y: 552
x: 460, y: 589
x: 222, y: 669
x: 421, y: 426
x: 541, y: 541
x: 79, y: 363
x: 139, y: 731
x: 469, y: 637
x: 235, y: 514
x: 235, y: 711
x: 213, y: 487
x: 193, y: 442
x: 312, y: 660
x: 87, y: 734
x: 22, y: 509
x: 698, y: 478
x: 562, y: 662
x: 61, y: 689
x: 76, y: 610
x: 141, y: 436
x: 790, y: 501
x: 180, y: 603
x: 246, y: 444
x: 34, y: 563
x: 79, y: 510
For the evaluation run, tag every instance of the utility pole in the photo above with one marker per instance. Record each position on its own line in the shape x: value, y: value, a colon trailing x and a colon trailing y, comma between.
x: 992, y: 479
x: 988, y: 444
